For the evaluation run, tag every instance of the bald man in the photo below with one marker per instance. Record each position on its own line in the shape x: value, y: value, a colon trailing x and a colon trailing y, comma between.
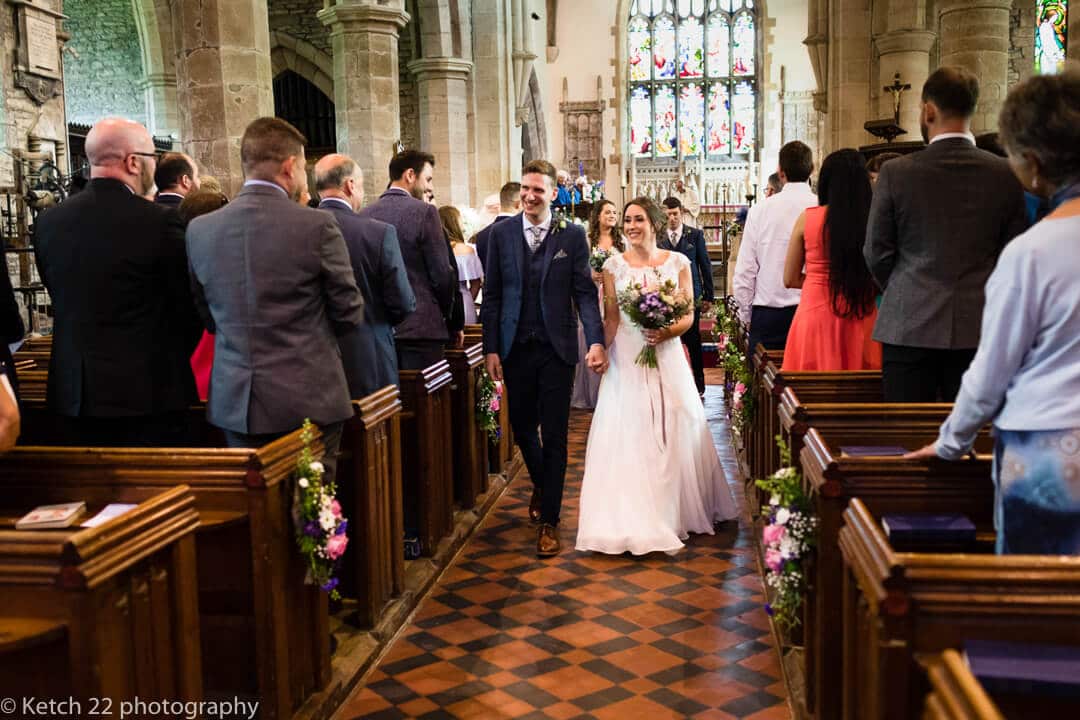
x: 367, y: 352
x: 125, y: 322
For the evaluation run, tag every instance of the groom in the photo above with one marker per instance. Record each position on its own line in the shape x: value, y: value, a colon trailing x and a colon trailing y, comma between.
x: 537, y: 272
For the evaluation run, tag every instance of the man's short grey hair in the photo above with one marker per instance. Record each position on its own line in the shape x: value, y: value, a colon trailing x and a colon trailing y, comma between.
x: 336, y: 176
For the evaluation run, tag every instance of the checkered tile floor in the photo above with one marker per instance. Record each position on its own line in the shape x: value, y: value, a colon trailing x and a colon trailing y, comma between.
x: 504, y: 635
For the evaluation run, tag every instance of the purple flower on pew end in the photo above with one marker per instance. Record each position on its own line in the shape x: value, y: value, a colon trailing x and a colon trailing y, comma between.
x: 342, y: 527
x: 768, y: 609
x: 330, y: 584
x: 312, y: 529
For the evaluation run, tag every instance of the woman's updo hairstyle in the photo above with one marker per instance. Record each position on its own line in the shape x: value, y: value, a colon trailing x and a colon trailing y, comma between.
x: 653, y: 211
x: 1041, y: 117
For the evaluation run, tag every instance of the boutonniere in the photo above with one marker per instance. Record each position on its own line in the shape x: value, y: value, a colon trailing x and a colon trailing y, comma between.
x: 560, y: 225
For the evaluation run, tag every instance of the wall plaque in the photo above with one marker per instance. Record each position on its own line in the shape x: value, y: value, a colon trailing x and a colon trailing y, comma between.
x: 37, y: 52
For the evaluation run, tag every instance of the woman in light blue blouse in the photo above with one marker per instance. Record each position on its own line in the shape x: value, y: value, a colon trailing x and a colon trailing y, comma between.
x: 1025, y: 377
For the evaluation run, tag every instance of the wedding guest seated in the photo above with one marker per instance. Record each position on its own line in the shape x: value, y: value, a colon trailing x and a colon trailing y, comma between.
x: 568, y: 193
x: 834, y: 322
x: 873, y: 166
x: 1025, y: 377
x: 470, y: 271
x: 195, y: 204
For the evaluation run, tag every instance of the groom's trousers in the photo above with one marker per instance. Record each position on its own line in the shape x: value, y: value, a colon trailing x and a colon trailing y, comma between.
x: 538, y: 387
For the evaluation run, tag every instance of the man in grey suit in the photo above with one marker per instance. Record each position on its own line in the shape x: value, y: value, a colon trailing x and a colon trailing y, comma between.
x: 368, y: 351
x: 272, y: 281
x: 421, y: 337
x: 939, y: 220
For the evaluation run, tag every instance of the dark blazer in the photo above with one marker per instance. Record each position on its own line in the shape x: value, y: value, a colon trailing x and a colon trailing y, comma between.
x: 367, y: 352
x: 125, y: 323
x: 169, y: 200
x: 483, y: 238
x: 427, y: 262
x: 692, y: 245
x: 273, y: 282
x: 566, y: 288
x: 939, y: 219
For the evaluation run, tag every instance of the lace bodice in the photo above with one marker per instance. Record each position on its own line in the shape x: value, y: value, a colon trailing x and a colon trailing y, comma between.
x: 624, y: 274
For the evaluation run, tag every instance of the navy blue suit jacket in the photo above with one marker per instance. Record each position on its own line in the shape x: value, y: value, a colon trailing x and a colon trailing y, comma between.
x: 367, y: 352
x: 692, y: 245
x: 567, y: 291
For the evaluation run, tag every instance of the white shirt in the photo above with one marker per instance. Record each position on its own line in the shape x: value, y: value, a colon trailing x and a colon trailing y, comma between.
x: 264, y: 183
x: 527, y: 228
x: 759, y: 270
x: 949, y: 136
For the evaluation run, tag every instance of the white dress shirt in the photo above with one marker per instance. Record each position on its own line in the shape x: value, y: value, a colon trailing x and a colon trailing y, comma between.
x: 759, y: 270
x: 949, y: 136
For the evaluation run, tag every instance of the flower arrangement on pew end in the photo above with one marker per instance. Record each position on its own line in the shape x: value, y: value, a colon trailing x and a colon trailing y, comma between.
x: 737, y: 378
x: 787, y: 538
x: 320, y: 524
x: 488, y: 403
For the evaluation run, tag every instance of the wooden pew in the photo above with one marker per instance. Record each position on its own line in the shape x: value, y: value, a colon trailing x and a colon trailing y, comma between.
x: 900, y: 608
x: 263, y: 631
x: 760, y: 443
x: 886, y: 485
x: 469, y: 442
x: 369, y: 485
x: 955, y: 694
x: 109, y: 612
x: 427, y: 458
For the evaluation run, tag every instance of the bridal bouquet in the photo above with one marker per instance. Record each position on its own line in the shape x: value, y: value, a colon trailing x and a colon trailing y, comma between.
x: 598, y: 257
x: 320, y: 524
x: 654, y: 305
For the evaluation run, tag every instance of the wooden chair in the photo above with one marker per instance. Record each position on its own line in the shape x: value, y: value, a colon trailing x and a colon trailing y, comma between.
x: 899, y: 608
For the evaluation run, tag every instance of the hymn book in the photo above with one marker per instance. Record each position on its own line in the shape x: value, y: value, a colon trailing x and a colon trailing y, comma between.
x: 51, y: 516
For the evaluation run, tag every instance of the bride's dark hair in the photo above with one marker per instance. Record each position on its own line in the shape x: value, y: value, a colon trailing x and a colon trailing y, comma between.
x: 653, y: 211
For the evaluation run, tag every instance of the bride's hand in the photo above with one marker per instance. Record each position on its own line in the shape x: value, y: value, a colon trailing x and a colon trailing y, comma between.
x: 598, y: 278
x: 654, y: 337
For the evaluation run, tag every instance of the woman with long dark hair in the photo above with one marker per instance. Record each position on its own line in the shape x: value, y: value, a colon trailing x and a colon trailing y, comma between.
x: 470, y: 271
x: 832, y: 327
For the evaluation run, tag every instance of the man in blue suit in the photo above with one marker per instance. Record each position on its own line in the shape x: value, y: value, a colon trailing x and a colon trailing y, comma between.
x: 537, y: 286
x: 367, y: 351
x: 509, y: 206
x: 690, y: 241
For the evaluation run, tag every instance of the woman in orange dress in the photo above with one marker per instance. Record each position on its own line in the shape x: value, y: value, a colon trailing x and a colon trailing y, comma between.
x: 833, y: 325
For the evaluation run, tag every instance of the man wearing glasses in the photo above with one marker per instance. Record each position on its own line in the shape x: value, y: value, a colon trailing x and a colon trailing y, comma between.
x: 125, y: 323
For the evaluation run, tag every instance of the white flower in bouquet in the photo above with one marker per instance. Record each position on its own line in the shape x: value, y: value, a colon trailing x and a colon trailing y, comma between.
x: 774, y: 500
x: 782, y: 516
x: 327, y: 521
x: 317, y: 468
x: 303, y: 482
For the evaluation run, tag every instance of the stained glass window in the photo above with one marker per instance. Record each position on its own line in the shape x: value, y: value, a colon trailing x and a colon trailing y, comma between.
x: 1051, y: 35
x: 693, y: 78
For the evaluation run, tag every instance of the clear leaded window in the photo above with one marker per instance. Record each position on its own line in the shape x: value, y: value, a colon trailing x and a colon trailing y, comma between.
x: 693, y: 77
x: 1051, y: 34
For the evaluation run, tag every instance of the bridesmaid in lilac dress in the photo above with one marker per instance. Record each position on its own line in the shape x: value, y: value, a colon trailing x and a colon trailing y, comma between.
x: 604, y: 233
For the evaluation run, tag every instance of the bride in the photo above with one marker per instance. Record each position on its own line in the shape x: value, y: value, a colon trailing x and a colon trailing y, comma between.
x: 652, y: 475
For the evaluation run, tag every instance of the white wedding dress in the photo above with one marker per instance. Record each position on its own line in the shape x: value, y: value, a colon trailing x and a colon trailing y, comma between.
x: 652, y: 475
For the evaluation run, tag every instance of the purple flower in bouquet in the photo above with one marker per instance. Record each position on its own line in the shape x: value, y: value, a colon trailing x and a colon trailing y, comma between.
x: 312, y: 529
x: 342, y: 527
x: 330, y: 584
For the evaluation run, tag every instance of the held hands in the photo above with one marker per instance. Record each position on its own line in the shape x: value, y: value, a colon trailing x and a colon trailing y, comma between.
x: 493, y: 366
x: 597, y: 359
x: 598, y: 278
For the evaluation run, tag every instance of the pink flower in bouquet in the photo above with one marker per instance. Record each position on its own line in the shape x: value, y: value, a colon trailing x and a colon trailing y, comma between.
x: 335, y: 546
x: 773, y: 560
x: 335, y: 507
x: 773, y: 534
x: 736, y: 404
x: 494, y: 404
x: 740, y: 388
x: 498, y: 389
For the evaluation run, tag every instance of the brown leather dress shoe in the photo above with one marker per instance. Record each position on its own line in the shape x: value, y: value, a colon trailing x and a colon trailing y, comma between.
x: 547, y: 541
x: 534, y: 505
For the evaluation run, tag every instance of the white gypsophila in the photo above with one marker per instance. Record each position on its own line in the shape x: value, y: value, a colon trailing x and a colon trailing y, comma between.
x: 789, y: 548
x: 317, y: 467
x: 774, y: 500
x: 782, y: 516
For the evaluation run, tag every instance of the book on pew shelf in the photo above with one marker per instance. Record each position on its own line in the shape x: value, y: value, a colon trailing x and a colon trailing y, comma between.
x: 926, y: 527
x: 857, y: 451
x: 51, y: 516
x: 107, y: 513
x: 1024, y: 668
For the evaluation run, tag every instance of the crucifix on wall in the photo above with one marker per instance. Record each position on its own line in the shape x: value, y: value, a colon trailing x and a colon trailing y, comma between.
x: 889, y: 128
x: 897, y: 89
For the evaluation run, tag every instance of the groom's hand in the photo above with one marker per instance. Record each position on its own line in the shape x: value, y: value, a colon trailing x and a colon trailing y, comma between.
x: 494, y: 366
x: 596, y: 359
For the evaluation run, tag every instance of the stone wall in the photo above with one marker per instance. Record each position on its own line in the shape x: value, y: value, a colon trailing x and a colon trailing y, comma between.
x: 297, y: 18
x: 408, y: 91
x: 1021, y: 41
x: 104, y: 72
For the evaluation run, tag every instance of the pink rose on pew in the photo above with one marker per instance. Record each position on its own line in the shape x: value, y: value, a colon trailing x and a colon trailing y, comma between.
x: 774, y: 560
x: 335, y: 507
x: 495, y: 404
x: 740, y: 388
x: 335, y: 546
x: 773, y: 534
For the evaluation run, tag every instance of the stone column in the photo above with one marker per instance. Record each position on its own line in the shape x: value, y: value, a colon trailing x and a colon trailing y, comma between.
x: 223, y: 79
x: 364, y: 36
x: 159, y: 92
x: 444, y: 127
x: 906, y: 52
x: 975, y: 35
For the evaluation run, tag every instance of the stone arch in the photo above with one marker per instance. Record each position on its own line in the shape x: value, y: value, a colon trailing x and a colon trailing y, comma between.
x: 153, y: 21
x: 304, y: 59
